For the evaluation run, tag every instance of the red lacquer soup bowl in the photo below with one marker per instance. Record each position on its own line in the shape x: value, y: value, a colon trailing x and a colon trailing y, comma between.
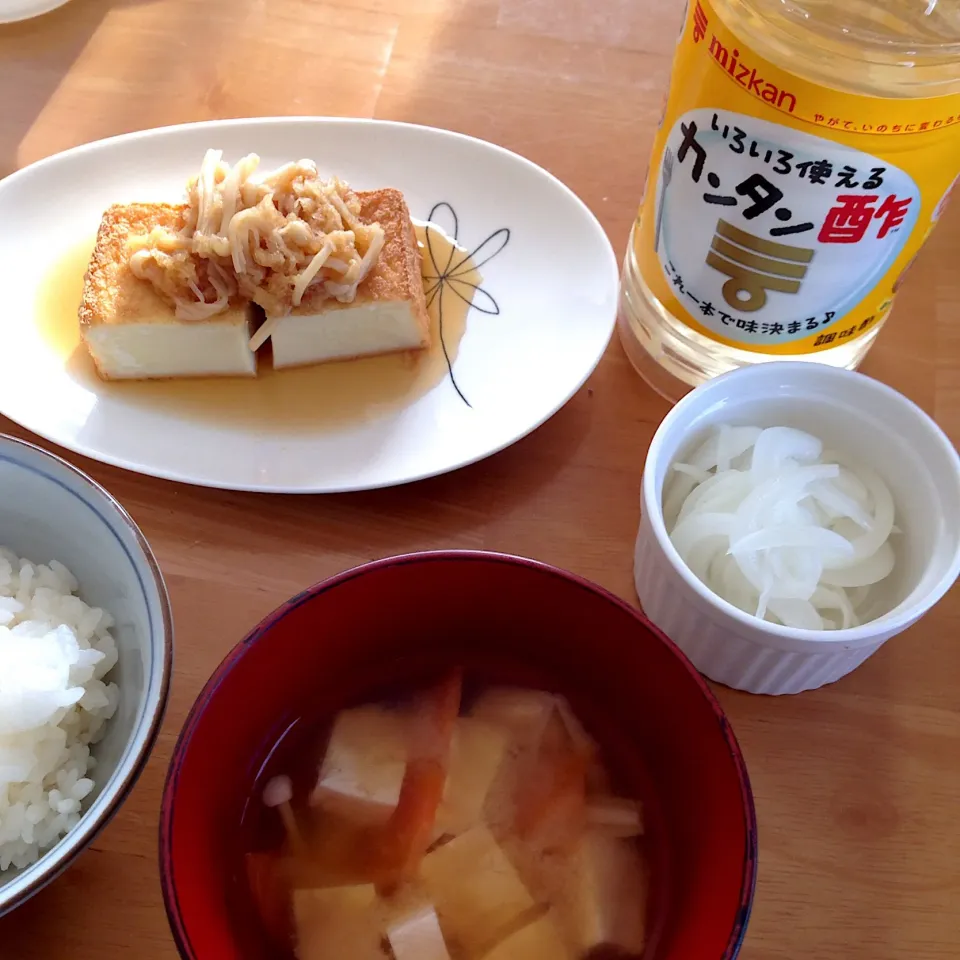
x: 393, y: 623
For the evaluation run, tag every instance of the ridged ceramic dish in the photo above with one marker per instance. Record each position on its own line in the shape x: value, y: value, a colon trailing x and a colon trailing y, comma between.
x: 872, y: 423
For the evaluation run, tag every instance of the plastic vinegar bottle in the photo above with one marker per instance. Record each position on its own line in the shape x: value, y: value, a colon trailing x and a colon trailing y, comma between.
x: 805, y: 152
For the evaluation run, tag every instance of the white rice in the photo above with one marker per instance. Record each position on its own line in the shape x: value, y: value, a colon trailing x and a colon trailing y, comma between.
x: 54, y: 654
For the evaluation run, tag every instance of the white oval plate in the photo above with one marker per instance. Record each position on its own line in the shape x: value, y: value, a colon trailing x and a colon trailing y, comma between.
x: 547, y: 307
x: 13, y: 11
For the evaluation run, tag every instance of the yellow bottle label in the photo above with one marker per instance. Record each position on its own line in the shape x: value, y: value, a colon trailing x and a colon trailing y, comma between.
x: 780, y: 216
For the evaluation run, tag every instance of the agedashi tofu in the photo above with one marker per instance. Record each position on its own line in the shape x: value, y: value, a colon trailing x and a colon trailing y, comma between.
x: 475, y: 889
x: 337, y: 922
x: 132, y: 333
x: 195, y: 289
x: 363, y: 768
x: 388, y: 313
x: 476, y: 754
x: 417, y: 936
x: 539, y: 940
x: 609, y: 896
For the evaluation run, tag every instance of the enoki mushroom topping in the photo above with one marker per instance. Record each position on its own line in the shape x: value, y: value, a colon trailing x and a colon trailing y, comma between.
x: 264, y: 237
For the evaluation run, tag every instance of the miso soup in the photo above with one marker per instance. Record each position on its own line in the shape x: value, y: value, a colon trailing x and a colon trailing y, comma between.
x: 450, y: 825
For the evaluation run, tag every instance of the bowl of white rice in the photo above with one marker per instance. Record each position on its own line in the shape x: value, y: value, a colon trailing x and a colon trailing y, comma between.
x: 85, y: 659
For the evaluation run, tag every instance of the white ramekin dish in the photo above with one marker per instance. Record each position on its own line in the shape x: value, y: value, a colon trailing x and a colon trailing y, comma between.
x: 848, y: 411
x: 49, y: 510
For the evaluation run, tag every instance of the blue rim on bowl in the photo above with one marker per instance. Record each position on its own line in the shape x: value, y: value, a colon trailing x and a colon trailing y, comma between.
x: 141, y: 739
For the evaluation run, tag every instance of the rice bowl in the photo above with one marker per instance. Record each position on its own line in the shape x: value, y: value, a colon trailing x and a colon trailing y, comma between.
x: 95, y: 611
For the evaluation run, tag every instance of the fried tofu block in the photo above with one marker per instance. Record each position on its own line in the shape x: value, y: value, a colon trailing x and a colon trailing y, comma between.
x: 389, y: 312
x: 363, y: 769
x: 132, y: 333
x: 539, y: 940
x: 475, y: 890
x: 337, y: 922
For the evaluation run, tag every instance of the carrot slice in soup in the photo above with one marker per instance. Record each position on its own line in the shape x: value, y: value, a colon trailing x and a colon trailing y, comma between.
x: 410, y: 829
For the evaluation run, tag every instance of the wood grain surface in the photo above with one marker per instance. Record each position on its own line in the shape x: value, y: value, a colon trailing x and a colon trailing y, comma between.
x: 857, y: 785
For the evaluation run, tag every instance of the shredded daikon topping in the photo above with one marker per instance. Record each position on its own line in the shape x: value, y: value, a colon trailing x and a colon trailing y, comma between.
x: 266, y: 237
x: 781, y: 528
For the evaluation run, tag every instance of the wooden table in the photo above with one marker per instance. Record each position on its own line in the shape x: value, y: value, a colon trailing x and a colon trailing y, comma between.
x: 856, y: 785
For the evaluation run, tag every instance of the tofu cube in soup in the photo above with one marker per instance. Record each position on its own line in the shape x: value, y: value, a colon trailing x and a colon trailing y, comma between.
x: 539, y: 940
x: 417, y: 936
x: 476, y: 753
x: 609, y: 893
x: 335, y: 923
x: 363, y: 768
x: 524, y: 714
x: 475, y: 889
